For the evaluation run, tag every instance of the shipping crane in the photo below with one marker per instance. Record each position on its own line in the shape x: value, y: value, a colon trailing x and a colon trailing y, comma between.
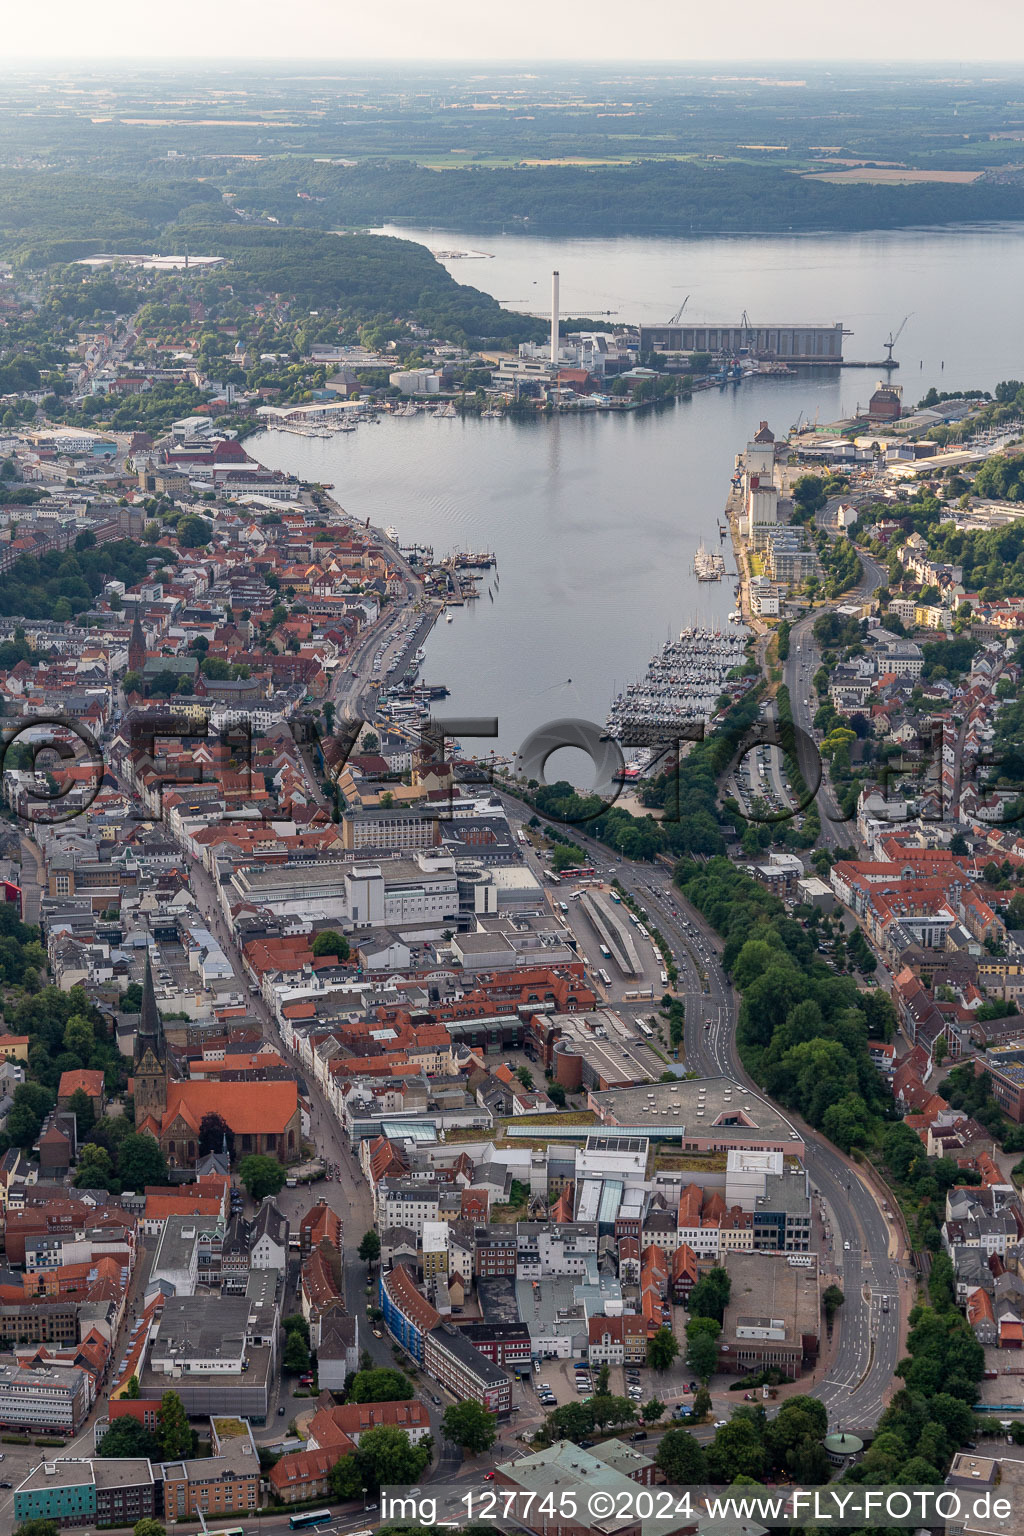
x: 888, y: 345
x: 679, y: 312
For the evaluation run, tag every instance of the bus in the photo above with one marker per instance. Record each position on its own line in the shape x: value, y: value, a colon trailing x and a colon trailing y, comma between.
x: 645, y: 1029
x: 616, y: 897
x: 605, y: 978
x: 664, y: 978
x: 522, y: 836
x: 229, y: 1530
x: 564, y: 906
x: 580, y: 872
x: 310, y: 1517
x: 606, y: 953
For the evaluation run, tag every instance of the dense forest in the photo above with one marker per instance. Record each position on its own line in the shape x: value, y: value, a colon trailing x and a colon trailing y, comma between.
x: 648, y: 197
x: 361, y: 276
x: 59, y: 585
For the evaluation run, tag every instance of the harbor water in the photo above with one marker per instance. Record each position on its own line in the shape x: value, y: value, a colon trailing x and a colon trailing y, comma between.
x: 595, y: 519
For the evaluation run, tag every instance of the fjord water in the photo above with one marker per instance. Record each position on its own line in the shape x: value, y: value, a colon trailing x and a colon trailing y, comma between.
x: 595, y: 518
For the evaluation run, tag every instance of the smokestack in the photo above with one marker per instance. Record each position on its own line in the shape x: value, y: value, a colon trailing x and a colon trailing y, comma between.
x: 554, y: 319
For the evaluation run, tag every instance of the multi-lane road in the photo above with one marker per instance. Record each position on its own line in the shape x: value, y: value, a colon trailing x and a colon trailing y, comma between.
x: 876, y: 1284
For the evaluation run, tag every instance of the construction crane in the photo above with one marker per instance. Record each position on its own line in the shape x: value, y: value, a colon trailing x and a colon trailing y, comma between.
x: 679, y: 312
x: 894, y: 339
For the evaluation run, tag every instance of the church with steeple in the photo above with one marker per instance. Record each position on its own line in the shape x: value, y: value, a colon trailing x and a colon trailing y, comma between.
x: 150, y: 1064
x: 137, y: 646
x: 263, y: 1117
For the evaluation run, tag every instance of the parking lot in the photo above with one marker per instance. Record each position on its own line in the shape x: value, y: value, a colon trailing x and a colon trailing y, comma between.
x: 560, y: 1375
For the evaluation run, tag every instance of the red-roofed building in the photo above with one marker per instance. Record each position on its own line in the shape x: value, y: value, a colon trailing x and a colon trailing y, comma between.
x: 336, y: 1426
x: 302, y: 1475
x: 684, y: 1272
x: 617, y: 1340
x: 79, y: 1081
x: 265, y: 1118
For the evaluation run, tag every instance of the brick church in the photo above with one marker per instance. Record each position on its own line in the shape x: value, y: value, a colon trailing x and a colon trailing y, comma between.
x: 264, y: 1117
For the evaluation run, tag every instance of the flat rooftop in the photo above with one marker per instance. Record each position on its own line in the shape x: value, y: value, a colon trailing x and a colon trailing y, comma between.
x: 767, y: 1286
x: 702, y: 1106
x: 202, y: 1327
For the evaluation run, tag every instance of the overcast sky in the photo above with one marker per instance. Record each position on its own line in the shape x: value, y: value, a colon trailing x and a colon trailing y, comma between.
x: 665, y: 30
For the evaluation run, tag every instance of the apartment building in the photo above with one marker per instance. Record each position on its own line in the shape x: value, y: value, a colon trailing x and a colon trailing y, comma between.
x: 48, y: 1400
x: 466, y: 1373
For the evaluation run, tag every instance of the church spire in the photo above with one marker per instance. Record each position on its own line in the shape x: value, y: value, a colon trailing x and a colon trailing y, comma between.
x: 150, y: 1057
x: 150, y: 1024
x: 137, y: 645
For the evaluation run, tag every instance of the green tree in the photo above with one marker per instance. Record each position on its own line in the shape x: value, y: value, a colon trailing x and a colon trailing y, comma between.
x: 261, y: 1175
x: 470, y: 1425
x: 36, y: 1527
x: 702, y: 1354
x: 140, y: 1162
x: 662, y: 1349
x: 172, y: 1428
x: 567, y: 856
x: 386, y: 1456
x: 369, y: 1247
x: 347, y: 1479
x: 83, y: 1109
x: 330, y: 942
x: 78, y: 1037
x: 129, y: 1437
x: 602, y: 1380
x: 573, y: 1421
x: 710, y: 1295
x: 131, y: 1391
x: 701, y: 1404
x: 148, y: 1527
x: 680, y: 1456
x: 611, y: 1410
x: 652, y: 1410
x: 32, y: 1103
x: 736, y: 1451
x: 194, y: 531
x: 215, y: 1133
x: 832, y: 1299
x: 381, y: 1384
x: 296, y: 1354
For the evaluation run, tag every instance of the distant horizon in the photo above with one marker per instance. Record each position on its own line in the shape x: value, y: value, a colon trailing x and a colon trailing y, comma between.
x: 565, y: 32
x: 278, y: 63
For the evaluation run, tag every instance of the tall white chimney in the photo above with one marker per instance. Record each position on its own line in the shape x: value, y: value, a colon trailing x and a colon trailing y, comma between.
x: 554, y: 319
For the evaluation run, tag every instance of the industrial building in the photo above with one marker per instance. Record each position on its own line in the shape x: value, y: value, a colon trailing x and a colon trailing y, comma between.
x: 814, y: 344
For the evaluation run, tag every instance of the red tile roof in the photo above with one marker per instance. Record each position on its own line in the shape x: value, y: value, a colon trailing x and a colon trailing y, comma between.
x: 89, y: 1082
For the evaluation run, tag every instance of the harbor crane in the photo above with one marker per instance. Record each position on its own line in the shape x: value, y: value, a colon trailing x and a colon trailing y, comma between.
x: 679, y: 312
x: 888, y: 345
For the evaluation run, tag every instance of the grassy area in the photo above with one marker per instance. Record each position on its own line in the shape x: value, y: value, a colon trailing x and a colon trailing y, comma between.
x: 685, y: 1162
x: 231, y: 1429
x: 565, y: 1117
